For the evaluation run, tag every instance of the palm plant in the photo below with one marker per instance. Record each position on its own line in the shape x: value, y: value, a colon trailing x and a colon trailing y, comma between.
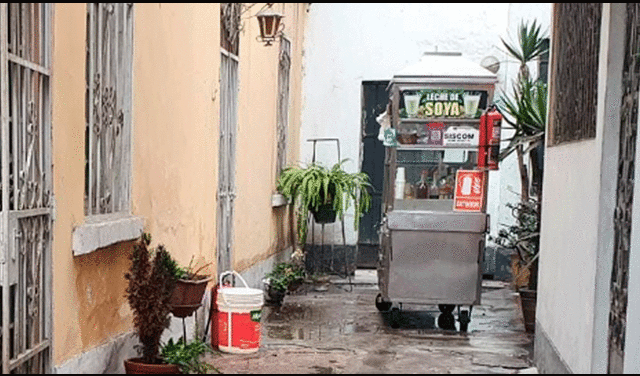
x: 526, y: 113
x: 315, y: 185
x: 526, y: 110
x: 530, y: 46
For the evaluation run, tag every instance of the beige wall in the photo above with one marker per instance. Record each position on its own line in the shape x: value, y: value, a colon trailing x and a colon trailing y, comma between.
x: 175, y: 156
x: 260, y: 230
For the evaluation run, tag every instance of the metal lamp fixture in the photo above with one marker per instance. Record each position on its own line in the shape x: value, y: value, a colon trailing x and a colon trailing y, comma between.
x: 269, y: 21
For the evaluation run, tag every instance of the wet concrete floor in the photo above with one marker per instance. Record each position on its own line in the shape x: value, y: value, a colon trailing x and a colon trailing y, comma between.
x: 341, y: 331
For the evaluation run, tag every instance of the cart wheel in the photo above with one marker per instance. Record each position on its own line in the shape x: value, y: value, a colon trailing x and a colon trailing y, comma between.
x: 381, y: 305
x: 464, y: 320
x: 446, y: 308
x: 447, y: 321
x: 395, y: 318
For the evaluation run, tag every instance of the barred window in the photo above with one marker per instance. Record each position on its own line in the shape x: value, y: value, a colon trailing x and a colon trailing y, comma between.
x: 108, y: 107
x: 573, y: 91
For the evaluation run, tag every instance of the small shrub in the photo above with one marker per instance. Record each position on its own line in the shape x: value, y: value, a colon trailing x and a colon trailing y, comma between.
x: 283, y: 275
x: 151, y: 283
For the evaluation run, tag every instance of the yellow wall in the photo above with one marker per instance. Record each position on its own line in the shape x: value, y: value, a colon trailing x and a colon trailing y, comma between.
x: 260, y: 230
x: 175, y: 156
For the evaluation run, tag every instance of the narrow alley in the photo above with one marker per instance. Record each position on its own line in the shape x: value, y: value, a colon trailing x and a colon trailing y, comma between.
x: 341, y: 331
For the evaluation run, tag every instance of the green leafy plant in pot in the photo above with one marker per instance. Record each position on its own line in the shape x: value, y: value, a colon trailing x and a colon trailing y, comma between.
x: 151, y: 283
x: 188, y: 355
x: 284, y: 277
x: 190, y: 287
x: 326, y: 193
x: 524, y: 238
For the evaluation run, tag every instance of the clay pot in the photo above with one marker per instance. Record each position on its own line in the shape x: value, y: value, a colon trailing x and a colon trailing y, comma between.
x: 187, y: 296
x: 528, y: 303
x: 135, y: 366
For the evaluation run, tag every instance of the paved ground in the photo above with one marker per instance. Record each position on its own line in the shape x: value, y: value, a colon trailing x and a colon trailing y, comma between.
x: 341, y: 331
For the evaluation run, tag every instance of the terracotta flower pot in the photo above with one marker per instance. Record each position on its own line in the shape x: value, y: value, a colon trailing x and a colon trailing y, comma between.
x: 187, y: 296
x: 135, y: 366
x: 528, y: 302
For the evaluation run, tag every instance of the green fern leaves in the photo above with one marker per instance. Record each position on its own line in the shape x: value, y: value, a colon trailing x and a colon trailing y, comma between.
x: 314, y: 185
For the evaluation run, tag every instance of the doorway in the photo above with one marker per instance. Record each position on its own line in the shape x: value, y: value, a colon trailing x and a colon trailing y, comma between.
x: 374, y: 101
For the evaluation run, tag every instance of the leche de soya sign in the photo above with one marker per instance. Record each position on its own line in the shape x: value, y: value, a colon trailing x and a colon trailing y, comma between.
x: 446, y: 103
x: 442, y: 102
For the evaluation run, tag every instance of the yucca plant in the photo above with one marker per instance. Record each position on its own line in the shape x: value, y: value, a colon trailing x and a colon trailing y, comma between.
x: 526, y: 110
x: 529, y: 47
x: 315, y: 185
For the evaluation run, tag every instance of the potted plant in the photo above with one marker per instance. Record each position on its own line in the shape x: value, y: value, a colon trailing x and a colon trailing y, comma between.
x: 151, y: 283
x: 524, y: 238
x: 188, y: 356
x: 326, y: 193
x: 284, y: 277
x: 526, y: 112
x: 189, y: 290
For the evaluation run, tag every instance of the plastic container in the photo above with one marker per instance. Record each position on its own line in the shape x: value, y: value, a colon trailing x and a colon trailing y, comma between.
x: 400, y: 184
x: 238, y: 317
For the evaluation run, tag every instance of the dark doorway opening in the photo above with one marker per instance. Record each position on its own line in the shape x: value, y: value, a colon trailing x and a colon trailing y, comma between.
x: 374, y: 101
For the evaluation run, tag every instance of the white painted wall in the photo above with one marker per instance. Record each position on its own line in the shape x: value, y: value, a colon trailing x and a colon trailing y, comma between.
x: 568, y: 245
x: 577, y: 227
x: 346, y: 44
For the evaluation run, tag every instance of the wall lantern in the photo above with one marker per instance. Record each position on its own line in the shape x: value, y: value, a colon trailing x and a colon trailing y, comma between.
x: 269, y: 21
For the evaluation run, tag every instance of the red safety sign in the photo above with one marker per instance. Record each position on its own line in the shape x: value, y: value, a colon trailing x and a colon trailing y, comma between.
x: 469, y: 195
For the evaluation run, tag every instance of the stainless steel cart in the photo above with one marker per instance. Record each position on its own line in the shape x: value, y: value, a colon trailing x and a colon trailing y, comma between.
x: 431, y: 254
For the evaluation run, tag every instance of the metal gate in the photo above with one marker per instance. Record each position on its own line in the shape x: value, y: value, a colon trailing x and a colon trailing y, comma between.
x: 229, y: 43
x: 624, y: 198
x: 25, y: 169
x: 226, y: 171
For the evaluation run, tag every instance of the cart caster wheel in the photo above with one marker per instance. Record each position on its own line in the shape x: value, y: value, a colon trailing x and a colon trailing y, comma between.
x: 395, y: 318
x: 447, y: 321
x: 446, y: 308
x: 381, y: 305
x: 464, y: 320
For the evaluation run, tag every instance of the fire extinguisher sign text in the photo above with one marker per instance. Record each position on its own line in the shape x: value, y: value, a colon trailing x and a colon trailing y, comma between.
x: 470, y: 192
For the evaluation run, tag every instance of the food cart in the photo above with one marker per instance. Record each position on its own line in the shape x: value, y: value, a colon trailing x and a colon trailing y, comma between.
x: 434, y: 214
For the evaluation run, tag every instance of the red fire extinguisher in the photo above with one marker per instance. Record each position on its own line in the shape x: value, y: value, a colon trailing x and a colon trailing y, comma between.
x: 489, y: 139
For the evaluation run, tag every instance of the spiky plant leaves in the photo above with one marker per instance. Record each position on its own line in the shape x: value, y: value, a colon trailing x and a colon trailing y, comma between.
x: 530, y: 45
x: 527, y: 115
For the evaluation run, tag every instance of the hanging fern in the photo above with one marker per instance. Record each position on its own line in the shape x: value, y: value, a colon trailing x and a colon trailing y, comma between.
x: 315, y: 185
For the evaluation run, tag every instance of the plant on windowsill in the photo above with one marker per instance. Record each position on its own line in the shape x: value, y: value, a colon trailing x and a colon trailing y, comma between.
x: 326, y: 193
x: 151, y: 283
x: 190, y: 288
x: 284, y: 277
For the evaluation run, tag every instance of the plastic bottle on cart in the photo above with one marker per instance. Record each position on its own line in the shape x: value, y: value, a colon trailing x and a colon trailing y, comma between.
x: 400, y: 183
x: 422, y: 191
